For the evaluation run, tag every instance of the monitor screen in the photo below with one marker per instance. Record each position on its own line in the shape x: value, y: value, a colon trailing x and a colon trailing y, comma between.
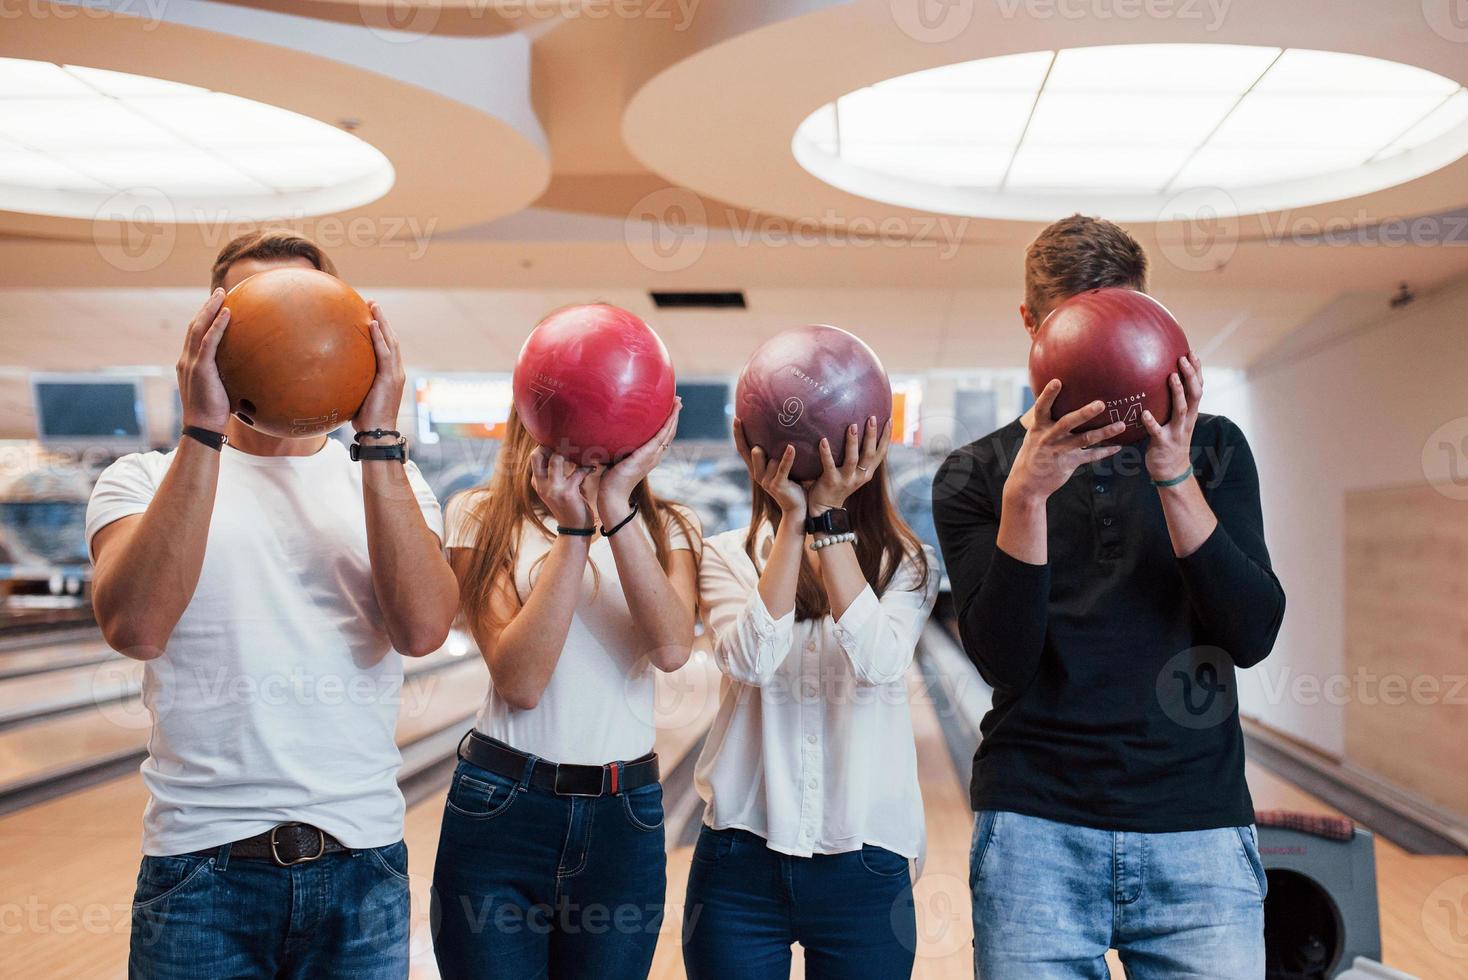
x: 463, y: 407
x: 73, y: 409
x: 707, y: 410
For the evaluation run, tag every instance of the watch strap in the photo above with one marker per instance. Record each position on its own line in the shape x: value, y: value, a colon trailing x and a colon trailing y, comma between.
x: 397, y: 451
x: 214, y: 440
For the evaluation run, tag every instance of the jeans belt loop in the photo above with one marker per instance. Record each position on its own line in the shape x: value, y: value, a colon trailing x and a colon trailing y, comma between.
x: 221, y: 857
x: 530, y: 762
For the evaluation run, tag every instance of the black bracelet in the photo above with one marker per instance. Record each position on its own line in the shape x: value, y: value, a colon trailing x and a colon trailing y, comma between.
x: 376, y: 434
x: 214, y: 440
x: 620, y: 524
x: 576, y: 532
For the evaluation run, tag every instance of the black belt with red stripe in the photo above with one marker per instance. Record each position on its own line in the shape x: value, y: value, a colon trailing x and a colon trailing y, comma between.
x: 563, y: 779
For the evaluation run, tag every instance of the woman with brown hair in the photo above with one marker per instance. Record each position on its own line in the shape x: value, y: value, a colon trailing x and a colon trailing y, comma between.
x: 810, y: 770
x: 577, y: 583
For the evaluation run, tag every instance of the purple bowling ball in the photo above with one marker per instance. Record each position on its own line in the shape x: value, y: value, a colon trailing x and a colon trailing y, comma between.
x: 808, y: 383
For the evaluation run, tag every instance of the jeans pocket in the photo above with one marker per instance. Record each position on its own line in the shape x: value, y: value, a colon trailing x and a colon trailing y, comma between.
x: 480, y: 795
x: 1249, y: 844
x: 983, y: 838
x: 644, y: 807
x: 164, y: 877
x: 392, y: 858
x: 713, y: 845
x: 882, y: 862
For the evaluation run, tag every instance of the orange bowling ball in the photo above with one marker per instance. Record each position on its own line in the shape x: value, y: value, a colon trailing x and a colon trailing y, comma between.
x: 297, y: 357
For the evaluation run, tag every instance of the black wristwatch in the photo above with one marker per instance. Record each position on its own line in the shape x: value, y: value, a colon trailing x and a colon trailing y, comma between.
x: 395, y: 451
x: 833, y: 521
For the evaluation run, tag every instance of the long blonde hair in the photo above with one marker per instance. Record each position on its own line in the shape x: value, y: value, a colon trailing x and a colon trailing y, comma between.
x: 507, y: 507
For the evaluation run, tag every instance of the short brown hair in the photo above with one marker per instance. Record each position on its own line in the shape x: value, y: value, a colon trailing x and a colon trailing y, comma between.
x: 1079, y: 253
x: 268, y: 245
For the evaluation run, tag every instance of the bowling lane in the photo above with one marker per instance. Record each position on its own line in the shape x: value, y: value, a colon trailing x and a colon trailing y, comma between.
x: 67, y: 865
x: 110, y: 722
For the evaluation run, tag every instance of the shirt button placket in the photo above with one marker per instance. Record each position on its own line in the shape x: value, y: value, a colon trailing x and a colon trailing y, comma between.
x: 810, y: 723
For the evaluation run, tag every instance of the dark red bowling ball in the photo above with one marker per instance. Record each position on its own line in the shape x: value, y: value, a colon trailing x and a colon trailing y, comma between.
x: 593, y: 382
x: 1116, y: 345
x: 297, y: 356
x: 808, y: 383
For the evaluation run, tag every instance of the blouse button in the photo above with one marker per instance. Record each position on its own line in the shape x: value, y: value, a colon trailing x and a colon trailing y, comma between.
x: 811, y: 739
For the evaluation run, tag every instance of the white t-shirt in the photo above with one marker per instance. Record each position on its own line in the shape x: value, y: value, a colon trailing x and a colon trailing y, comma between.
x: 598, y: 706
x: 812, y: 748
x: 277, y: 696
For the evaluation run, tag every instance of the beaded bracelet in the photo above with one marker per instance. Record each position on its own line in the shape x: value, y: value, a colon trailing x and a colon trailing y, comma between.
x: 817, y: 543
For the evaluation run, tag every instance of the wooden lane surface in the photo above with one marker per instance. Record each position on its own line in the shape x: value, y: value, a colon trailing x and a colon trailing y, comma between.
x: 67, y: 866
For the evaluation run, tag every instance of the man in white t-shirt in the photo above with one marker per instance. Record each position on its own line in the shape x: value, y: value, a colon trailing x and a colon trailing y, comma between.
x: 266, y: 584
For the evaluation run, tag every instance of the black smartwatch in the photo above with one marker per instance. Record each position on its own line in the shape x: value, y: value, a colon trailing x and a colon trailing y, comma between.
x: 833, y: 521
x: 396, y: 451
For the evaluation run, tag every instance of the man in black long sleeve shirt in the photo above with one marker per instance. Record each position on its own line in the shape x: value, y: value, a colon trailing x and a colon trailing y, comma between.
x: 1107, y: 596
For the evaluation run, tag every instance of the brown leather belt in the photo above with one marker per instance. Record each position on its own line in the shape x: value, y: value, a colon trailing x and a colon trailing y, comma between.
x: 563, y: 779
x: 283, y: 845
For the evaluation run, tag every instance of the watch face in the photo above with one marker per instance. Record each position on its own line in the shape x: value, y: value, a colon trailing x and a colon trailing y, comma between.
x: 839, y: 520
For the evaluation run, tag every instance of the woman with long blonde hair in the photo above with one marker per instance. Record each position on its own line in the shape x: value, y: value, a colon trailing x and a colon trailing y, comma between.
x: 578, y: 583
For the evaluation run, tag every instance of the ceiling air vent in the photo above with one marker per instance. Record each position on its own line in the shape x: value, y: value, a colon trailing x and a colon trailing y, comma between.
x: 706, y: 300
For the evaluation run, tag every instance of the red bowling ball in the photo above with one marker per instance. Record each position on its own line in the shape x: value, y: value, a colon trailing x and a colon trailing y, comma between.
x: 593, y: 382
x: 1116, y: 345
x: 806, y: 384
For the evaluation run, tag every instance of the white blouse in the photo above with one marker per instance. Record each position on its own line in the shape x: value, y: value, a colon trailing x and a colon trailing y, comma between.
x: 599, y: 704
x: 812, y: 748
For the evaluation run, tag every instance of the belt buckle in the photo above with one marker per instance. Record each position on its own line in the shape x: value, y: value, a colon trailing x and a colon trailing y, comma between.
x: 275, y: 846
x: 567, y: 770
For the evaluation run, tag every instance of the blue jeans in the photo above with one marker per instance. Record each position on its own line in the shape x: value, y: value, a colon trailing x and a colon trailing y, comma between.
x: 529, y: 884
x: 852, y: 913
x: 1051, y: 898
x: 342, y: 916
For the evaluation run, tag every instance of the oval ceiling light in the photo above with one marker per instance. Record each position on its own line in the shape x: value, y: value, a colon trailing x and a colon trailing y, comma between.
x: 86, y: 143
x: 1129, y: 130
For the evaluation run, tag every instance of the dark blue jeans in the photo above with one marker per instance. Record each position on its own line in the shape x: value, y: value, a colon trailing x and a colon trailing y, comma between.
x: 529, y: 884
x: 343, y: 916
x: 852, y: 913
